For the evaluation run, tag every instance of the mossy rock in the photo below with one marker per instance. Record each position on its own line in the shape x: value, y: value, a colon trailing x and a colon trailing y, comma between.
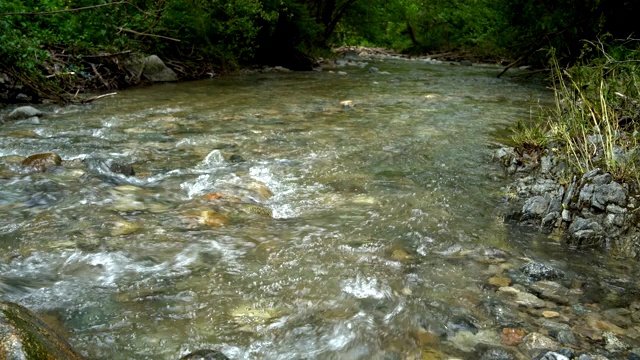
x: 42, y: 162
x: 23, y: 335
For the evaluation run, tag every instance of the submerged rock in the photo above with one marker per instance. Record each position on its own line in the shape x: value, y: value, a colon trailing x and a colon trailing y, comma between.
x: 205, y: 354
x: 42, y: 162
x: 24, y: 336
x: 536, y: 271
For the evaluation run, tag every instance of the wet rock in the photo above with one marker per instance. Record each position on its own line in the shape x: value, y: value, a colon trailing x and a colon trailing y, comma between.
x: 461, y: 323
x: 613, y: 343
x: 567, y: 337
x: 467, y: 341
x: 42, y: 162
x: 536, y: 271
x: 24, y: 112
x: 120, y: 168
x: 595, y: 322
x: 210, y: 218
x: 534, y: 207
x: 550, y: 314
x: 152, y: 68
x: 592, y: 357
x: 585, y: 231
x: 620, y: 317
x: 372, y: 70
x: 495, y: 353
x: 634, y: 354
x: 535, y: 342
x: 236, y: 159
x: 551, y: 355
x: 465, y: 63
x: 523, y: 298
x: 502, y: 314
x: 512, y: 336
x: 424, y: 337
x: 347, y: 103
x: 551, y: 290
x: 500, y: 281
x: 205, y: 354
x: 123, y: 227
x: 24, y: 336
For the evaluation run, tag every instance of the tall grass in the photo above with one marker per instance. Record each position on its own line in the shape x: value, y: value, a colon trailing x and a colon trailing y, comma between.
x: 596, y: 117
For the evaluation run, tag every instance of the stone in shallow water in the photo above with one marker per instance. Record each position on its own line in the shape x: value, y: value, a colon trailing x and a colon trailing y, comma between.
x: 24, y: 112
x: 613, y: 343
x: 512, y: 336
x: 538, y: 271
x: 523, y: 298
x: 24, y: 336
x: 551, y: 355
x: 500, y: 281
x: 535, y: 342
x: 551, y: 290
x: 205, y: 354
x: 42, y: 162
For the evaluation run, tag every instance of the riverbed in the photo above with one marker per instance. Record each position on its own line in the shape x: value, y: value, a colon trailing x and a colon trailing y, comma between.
x: 269, y: 221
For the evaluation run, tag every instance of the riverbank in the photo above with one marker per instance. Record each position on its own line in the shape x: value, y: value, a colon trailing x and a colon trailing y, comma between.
x: 575, y: 165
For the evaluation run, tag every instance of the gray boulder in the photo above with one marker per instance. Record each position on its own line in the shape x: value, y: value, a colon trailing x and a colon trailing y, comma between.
x: 24, y: 112
x: 151, y: 68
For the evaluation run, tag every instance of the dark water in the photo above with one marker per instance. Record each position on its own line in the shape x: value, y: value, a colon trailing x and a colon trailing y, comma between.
x: 378, y: 214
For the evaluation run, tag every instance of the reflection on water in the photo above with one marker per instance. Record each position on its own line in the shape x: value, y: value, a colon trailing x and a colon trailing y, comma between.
x: 265, y: 219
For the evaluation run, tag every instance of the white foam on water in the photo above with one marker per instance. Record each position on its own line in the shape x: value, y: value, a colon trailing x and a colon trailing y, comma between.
x: 197, y: 186
x: 363, y: 288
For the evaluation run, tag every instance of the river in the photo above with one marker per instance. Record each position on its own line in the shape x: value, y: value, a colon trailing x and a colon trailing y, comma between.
x: 268, y: 221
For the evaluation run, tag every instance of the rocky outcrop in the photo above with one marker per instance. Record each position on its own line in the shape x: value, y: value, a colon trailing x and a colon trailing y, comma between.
x: 593, y: 210
x: 23, y: 335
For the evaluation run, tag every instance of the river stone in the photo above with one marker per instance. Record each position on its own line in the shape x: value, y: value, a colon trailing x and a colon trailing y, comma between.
x: 634, y: 354
x: 551, y: 355
x: 537, y: 271
x: 551, y: 290
x: 535, y: 342
x: 495, y: 353
x: 613, y: 343
x: 24, y: 112
x: 24, y: 336
x: 121, y: 168
x: 205, y: 354
x: 42, y: 162
x: 523, y: 298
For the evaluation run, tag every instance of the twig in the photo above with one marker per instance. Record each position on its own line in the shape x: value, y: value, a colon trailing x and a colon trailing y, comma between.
x: 153, y: 35
x: 64, y: 10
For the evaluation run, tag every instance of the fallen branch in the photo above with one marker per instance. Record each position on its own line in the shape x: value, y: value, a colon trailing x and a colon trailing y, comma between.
x: 91, y: 99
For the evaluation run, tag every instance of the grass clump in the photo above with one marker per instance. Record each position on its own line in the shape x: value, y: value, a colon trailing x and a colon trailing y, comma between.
x: 595, y: 122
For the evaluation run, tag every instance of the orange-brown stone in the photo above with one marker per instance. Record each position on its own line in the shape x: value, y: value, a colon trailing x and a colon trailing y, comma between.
x: 512, y: 336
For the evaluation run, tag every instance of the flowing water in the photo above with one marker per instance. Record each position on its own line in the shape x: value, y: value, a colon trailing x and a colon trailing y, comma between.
x: 268, y: 221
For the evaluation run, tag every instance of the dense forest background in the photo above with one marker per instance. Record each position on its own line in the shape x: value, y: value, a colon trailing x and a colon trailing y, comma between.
x: 40, y: 39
